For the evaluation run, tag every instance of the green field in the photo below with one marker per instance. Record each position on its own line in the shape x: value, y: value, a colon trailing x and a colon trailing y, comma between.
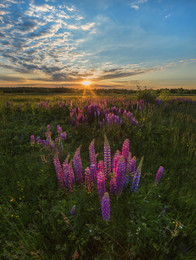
x: 155, y: 222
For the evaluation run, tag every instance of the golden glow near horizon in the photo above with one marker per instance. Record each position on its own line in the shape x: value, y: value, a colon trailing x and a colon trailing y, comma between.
x: 86, y: 83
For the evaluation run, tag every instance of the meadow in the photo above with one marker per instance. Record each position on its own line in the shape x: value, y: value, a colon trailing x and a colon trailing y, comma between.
x: 55, y: 205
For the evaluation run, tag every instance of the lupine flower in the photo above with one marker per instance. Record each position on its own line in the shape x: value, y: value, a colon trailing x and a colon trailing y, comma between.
x: 120, y: 174
x: 88, y: 180
x: 48, y: 127
x: 100, y: 166
x: 38, y: 140
x: 115, y: 160
x: 159, y: 175
x: 113, y: 185
x: 127, y: 171
x: 63, y: 135
x: 125, y: 149
x: 71, y: 172
x: 73, y: 210
x: 107, y: 157
x: 101, y: 184
x: 133, y: 166
x: 105, y: 207
x: 59, y: 129
x: 66, y: 175
x: 92, y: 154
x: 136, y: 178
x: 77, y: 163
x: 59, y: 172
x: 32, y: 139
x: 93, y: 172
x: 53, y: 146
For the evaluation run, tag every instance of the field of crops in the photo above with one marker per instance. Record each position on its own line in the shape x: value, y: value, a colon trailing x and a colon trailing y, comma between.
x: 97, y: 177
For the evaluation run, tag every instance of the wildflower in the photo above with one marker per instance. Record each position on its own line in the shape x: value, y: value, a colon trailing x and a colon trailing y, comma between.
x: 159, y: 174
x: 113, y: 186
x: 32, y: 139
x: 59, y: 171
x: 120, y: 173
x: 93, y: 172
x: 92, y: 153
x: 136, y: 177
x: 73, y: 210
x: 88, y: 180
x: 107, y: 157
x: 59, y: 129
x: 101, y: 184
x: 105, y: 207
x: 77, y: 163
x: 100, y: 166
x: 125, y: 149
x: 115, y: 160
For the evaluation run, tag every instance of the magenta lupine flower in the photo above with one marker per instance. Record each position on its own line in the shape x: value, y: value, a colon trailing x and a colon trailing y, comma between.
x: 92, y: 154
x: 66, y: 175
x: 59, y: 172
x: 115, y: 160
x: 73, y: 210
x: 38, y: 140
x: 93, y: 172
x: 133, y: 166
x: 125, y: 149
x: 88, y: 180
x: 113, y: 185
x: 136, y: 178
x: 128, y: 170
x: 107, y: 157
x: 32, y: 139
x: 120, y: 174
x: 105, y: 207
x: 77, y: 163
x: 48, y: 127
x: 101, y: 183
x: 100, y: 166
x: 159, y: 175
x: 59, y: 129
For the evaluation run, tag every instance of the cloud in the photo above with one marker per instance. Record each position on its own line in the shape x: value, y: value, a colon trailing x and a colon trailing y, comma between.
x: 136, y: 4
x: 10, y: 78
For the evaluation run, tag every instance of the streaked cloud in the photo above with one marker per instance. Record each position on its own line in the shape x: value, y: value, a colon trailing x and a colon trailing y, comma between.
x: 136, y: 4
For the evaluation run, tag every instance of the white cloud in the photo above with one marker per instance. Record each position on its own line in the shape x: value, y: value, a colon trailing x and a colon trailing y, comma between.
x: 136, y: 4
x: 88, y: 26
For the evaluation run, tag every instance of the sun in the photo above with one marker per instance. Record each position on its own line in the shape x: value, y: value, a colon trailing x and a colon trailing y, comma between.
x: 86, y: 83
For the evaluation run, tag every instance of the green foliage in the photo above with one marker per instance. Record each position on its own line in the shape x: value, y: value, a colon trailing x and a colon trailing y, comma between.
x: 157, y: 222
x: 148, y: 95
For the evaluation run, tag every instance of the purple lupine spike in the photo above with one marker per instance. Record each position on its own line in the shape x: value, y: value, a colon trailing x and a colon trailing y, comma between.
x: 73, y: 210
x: 107, y: 157
x: 133, y: 166
x: 53, y: 146
x: 32, y: 139
x: 105, y: 207
x: 127, y: 171
x: 136, y: 178
x: 38, y: 140
x: 159, y: 175
x: 100, y: 166
x: 115, y: 160
x: 120, y: 174
x: 92, y: 154
x: 71, y: 172
x: 88, y: 180
x: 66, y: 175
x: 93, y: 172
x: 77, y: 163
x: 59, y: 171
x: 125, y: 149
x: 113, y: 186
x: 101, y: 183
x: 63, y: 135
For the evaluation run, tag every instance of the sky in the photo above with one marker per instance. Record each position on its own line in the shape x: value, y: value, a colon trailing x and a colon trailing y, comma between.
x: 110, y: 43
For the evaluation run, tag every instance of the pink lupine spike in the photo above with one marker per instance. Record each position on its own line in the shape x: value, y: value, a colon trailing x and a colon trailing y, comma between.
x: 67, y: 159
x: 101, y: 183
x: 100, y: 166
x: 125, y: 149
x: 159, y: 175
x: 88, y: 180
x: 93, y: 172
x: 113, y: 186
x: 59, y: 172
x: 107, y: 157
x: 71, y: 171
x: 128, y: 165
x: 115, y: 160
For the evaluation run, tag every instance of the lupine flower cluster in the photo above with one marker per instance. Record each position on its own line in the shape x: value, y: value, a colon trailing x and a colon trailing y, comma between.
x: 120, y: 173
x: 54, y: 145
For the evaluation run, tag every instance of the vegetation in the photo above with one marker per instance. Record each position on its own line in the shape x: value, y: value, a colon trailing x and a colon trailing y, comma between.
x: 39, y: 220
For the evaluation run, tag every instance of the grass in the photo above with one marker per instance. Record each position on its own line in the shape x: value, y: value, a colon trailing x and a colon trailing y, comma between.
x: 157, y: 222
